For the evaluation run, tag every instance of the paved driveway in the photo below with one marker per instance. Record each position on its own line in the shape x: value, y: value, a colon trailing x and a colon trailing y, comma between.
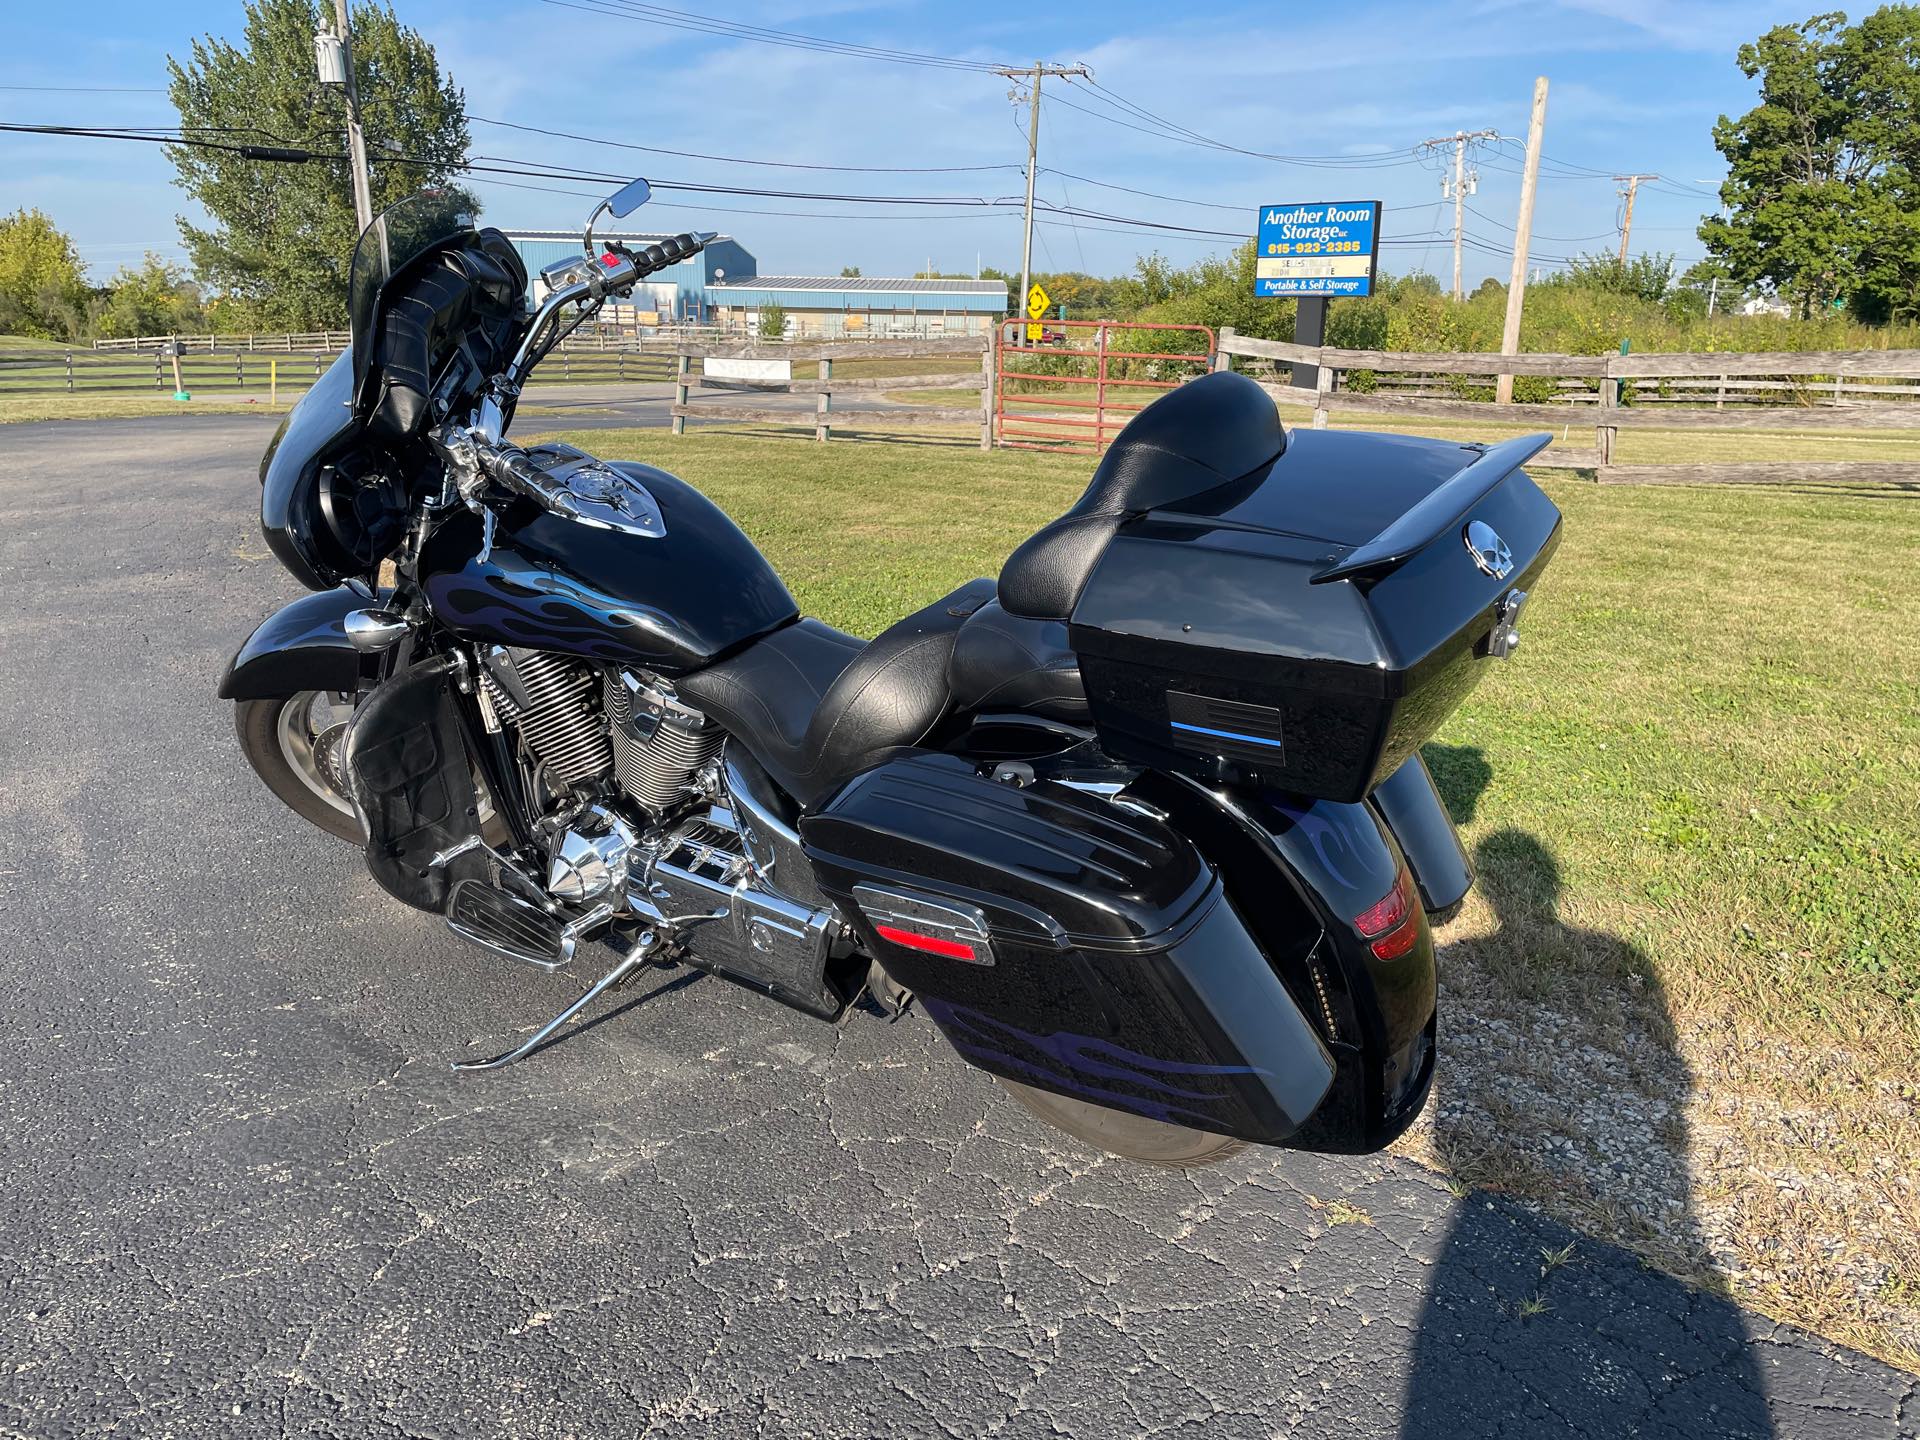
x: 245, y: 1196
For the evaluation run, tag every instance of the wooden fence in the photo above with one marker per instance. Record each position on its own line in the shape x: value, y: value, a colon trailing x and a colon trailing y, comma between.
x: 1819, y: 390
x: 977, y: 377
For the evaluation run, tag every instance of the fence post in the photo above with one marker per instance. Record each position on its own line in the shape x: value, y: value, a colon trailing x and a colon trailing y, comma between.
x: 823, y: 405
x: 1221, y: 359
x: 1603, y: 433
x: 69, y: 372
x: 1322, y: 387
x: 684, y: 364
x: 986, y: 391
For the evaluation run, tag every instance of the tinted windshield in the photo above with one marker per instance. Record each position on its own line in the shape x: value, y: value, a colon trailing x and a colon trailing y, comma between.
x: 394, y: 238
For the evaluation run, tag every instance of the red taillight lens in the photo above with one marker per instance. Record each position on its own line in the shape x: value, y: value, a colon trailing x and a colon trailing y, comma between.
x: 1392, y: 923
x: 932, y: 944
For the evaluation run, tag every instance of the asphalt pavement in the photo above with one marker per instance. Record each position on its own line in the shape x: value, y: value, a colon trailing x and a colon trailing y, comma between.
x: 246, y: 1196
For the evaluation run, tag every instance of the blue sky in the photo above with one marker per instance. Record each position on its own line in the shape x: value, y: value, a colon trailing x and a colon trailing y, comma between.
x: 1636, y: 86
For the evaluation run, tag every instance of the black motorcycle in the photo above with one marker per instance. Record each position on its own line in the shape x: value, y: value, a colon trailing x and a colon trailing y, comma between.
x: 1141, y: 825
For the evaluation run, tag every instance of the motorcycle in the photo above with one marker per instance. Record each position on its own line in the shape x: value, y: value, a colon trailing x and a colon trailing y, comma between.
x: 1141, y: 825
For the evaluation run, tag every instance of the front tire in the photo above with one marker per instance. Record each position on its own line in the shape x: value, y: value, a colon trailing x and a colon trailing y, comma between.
x: 1131, y: 1137
x: 294, y: 744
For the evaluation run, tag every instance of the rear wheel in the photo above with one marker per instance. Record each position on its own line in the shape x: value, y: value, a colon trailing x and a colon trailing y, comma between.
x: 295, y: 744
x: 1131, y: 1137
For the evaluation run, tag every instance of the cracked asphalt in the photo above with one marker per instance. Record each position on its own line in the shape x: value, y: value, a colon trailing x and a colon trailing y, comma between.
x: 245, y: 1195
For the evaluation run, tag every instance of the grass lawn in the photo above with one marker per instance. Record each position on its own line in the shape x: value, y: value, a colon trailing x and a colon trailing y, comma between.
x: 1694, y: 956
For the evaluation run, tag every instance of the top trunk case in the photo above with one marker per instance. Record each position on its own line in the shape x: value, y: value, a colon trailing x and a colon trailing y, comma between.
x: 1309, y: 636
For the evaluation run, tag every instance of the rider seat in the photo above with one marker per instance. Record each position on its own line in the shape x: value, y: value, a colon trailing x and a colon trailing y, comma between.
x: 814, y: 705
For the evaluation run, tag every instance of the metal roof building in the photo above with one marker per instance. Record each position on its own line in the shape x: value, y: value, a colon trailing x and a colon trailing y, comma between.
x: 830, y: 305
x: 722, y: 285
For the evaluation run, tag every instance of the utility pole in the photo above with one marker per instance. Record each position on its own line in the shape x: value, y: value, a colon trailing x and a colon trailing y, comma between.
x: 1632, y: 182
x: 1462, y: 185
x: 1522, y: 238
x: 1040, y: 69
x: 356, y: 138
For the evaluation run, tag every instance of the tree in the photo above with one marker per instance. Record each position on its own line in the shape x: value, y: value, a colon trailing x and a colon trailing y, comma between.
x: 43, y: 287
x: 156, y: 299
x: 773, y: 321
x: 849, y: 272
x: 1822, y: 197
x: 283, y: 235
x: 1644, y: 277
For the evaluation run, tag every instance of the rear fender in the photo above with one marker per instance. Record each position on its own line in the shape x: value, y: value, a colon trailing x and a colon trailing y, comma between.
x: 301, y: 646
x: 1411, y: 807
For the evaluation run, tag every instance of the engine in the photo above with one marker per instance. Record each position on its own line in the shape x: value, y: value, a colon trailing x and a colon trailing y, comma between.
x: 583, y: 725
x: 647, y: 819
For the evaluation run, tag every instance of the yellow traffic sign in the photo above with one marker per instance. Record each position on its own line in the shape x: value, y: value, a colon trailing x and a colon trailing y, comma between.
x: 1038, y: 301
x: 1034, y: 334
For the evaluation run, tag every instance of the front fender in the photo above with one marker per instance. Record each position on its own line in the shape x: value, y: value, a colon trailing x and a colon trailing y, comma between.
x: 301, y: 646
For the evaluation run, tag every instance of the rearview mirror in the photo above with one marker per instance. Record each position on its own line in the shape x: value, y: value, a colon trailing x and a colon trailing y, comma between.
x: 629, y: 198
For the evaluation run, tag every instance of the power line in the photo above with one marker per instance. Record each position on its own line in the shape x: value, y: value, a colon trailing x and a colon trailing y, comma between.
x: 738, y: 160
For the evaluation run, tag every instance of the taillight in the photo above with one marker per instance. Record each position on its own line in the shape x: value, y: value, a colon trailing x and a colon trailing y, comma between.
x: 1392, y: 924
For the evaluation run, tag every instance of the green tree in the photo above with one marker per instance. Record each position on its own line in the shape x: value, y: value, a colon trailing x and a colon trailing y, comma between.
x: 1822, y: 197
x: 43, y: 287
x: 773, y: 321
x: 849, y: 272
x: 283, y: 235
x: 156, y: 299
x: 1645, y: 277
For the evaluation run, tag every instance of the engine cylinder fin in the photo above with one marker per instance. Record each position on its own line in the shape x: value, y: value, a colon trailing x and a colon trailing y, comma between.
x: 560, y: 722
x: 654, y: 768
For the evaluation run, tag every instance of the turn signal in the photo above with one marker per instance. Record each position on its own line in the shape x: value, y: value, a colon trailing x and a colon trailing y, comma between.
x: 1393, y: 923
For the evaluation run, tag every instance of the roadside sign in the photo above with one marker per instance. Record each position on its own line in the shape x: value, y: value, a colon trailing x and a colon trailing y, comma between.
x: 1034, y: 332
x: 1328, y: 247
x: 1037, y: 302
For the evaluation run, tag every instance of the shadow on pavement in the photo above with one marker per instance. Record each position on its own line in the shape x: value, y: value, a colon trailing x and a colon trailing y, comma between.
x: 1575, y: 1088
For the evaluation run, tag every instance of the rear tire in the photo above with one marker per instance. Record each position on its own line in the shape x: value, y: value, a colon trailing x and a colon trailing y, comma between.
x: 1131, y: 1137
x: 277, y: 736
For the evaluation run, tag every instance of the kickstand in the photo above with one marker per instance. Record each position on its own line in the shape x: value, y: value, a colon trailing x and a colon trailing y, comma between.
x: 640, y: 955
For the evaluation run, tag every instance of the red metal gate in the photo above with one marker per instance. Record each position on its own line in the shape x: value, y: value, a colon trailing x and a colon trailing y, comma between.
x: 1103, y: 382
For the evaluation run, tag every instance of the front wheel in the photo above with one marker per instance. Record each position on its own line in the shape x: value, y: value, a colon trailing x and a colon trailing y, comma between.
x: 295, y: 744
x: 1131, y: 1137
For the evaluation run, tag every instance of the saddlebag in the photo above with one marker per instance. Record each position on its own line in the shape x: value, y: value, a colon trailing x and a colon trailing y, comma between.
x: 1309, y: 635
x: 1066, y: 942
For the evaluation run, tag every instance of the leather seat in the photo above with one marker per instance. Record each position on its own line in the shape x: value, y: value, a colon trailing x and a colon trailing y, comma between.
x: 1220, y: 429
x: 1009, y: 662
x: 815, y: 706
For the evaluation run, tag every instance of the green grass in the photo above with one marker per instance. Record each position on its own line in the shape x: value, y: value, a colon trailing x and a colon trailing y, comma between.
x: 1715, y: 721
x: 1692, y: 797
x: 1655, y: 447
x: 18, y: 409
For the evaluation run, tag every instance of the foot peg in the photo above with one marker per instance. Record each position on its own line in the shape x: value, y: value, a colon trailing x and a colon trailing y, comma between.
x: 504, y: 923
x: 640, y: 956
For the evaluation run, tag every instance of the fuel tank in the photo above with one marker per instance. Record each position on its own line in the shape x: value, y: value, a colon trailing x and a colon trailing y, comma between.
x: 673, y: 600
